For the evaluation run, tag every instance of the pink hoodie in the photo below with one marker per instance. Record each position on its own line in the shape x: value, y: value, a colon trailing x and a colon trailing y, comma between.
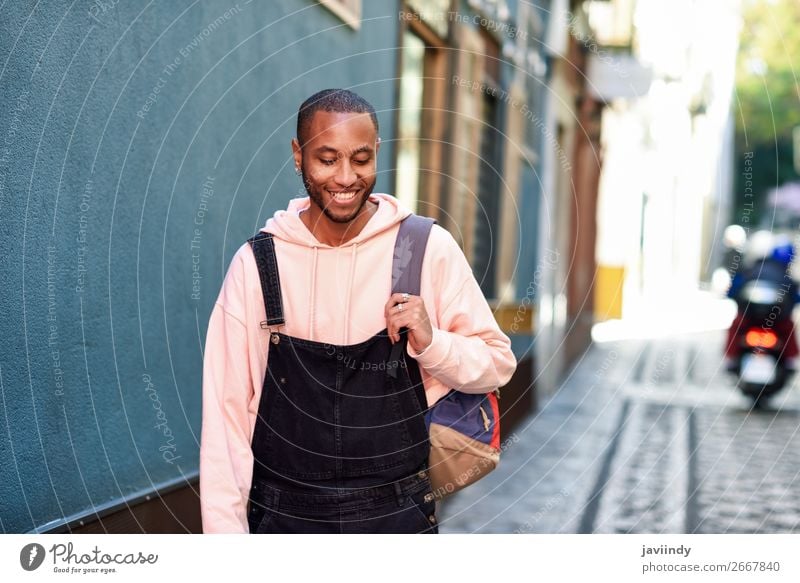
x: 334, y: 295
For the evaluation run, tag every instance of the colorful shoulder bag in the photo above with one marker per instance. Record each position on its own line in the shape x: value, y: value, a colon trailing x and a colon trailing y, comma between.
x: 464, y: 428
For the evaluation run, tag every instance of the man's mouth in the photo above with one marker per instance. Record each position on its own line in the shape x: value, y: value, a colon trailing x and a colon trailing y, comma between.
x: 344, y: 195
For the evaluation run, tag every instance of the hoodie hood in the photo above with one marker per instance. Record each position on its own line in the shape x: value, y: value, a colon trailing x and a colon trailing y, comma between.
x: 287, y: 225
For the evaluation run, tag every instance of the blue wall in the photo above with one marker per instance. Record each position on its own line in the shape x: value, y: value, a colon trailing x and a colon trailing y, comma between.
x: 140, y: 144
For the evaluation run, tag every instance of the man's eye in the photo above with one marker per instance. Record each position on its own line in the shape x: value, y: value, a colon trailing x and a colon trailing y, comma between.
x: 362, y: 162
x: 327, y: 162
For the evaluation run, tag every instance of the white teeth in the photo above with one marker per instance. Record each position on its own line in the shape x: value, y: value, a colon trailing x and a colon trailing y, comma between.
x: 344, y: 195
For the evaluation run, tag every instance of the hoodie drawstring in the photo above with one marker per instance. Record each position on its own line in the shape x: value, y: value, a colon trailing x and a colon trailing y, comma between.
x: 349, y: 294
x: 311, y: 294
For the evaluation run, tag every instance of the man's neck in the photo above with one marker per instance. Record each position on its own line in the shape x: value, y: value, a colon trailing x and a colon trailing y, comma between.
x: 335, y: 234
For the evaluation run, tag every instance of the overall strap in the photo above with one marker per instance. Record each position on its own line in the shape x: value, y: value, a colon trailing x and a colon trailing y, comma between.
x: 409, y: 251
x: 264, y: 252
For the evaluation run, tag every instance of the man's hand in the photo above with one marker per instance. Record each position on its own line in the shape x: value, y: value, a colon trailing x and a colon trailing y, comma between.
x: 409, y: 311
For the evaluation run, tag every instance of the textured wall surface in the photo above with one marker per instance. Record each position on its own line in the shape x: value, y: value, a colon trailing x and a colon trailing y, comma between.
x: 140, y: 144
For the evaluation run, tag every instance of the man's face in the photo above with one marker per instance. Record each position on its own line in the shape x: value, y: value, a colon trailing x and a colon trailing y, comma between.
x: 338, y: 162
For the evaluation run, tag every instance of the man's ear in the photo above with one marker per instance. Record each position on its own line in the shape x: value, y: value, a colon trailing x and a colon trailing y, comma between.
x: 377, y: 145
x: 297, y: 153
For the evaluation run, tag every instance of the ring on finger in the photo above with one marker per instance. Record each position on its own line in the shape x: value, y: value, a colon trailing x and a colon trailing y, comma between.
x: 405, y: 297
x: 399, y: 307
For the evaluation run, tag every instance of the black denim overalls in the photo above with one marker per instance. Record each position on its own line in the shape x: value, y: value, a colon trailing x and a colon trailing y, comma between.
x: 340, y: 443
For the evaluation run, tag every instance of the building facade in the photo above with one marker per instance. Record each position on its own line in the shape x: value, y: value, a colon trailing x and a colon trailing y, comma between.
x: 143, y: 145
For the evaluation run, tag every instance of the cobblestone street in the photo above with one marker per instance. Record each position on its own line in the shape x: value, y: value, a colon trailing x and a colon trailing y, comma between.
x: 644, y: 436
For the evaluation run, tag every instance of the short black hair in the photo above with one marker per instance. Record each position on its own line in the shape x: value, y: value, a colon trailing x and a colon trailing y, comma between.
x: 332, y: 100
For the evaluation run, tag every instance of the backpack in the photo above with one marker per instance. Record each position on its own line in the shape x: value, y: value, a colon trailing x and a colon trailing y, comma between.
x: 464, y: 428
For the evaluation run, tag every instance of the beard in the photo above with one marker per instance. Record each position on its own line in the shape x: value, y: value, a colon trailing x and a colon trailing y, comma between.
x: 315, y: 194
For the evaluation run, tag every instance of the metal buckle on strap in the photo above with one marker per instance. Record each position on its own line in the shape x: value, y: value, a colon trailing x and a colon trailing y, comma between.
x: 273, y: 335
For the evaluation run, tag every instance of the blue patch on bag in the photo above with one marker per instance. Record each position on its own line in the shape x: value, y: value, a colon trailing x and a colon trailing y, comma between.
x: 469, y: 414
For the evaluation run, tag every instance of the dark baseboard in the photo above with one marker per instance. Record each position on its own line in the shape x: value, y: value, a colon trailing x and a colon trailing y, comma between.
x: 176, y: 511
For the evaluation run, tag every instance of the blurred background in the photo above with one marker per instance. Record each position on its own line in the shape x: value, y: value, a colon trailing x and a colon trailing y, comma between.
x: 608, y: 166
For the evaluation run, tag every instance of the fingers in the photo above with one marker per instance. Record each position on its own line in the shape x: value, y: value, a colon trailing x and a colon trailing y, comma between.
x: 399, y: 310
x: 404, y: 310
x: 394, y: 332
x: 398, y: 298
x: 396, y: 321
x: 418, y: 326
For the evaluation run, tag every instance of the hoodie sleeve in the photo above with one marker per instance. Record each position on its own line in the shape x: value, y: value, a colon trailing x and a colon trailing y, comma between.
x: 468, y: 352
x: 226, y: 459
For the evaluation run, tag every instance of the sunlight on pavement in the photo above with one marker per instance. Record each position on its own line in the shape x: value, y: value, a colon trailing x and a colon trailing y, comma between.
x: 652, y: 317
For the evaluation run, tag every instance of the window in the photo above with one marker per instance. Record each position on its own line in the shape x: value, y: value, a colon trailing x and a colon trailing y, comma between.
x: 409, y: 120
x: 421, y: 116
x: 462, y: 179
x: 516, y: 154
x: 487, y: 211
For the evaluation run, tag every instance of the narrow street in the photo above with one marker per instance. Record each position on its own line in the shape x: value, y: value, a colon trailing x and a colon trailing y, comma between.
x: 645, y: 435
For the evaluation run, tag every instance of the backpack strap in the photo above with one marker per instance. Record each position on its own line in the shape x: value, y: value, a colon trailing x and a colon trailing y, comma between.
x: 409, y: 251
x: 264, y: 252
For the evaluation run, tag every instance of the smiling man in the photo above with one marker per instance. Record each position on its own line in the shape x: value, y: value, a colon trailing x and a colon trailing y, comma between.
x: 310, y: 424
x: 338, y: 170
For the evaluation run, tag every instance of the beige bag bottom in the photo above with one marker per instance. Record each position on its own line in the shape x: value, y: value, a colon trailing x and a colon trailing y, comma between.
x: 457, y: 461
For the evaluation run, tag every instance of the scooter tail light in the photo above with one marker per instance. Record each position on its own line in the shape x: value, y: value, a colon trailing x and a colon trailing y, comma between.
x: 759, y: 338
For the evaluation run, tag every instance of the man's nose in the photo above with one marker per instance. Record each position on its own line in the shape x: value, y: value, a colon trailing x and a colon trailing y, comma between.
x: 345, y: 174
